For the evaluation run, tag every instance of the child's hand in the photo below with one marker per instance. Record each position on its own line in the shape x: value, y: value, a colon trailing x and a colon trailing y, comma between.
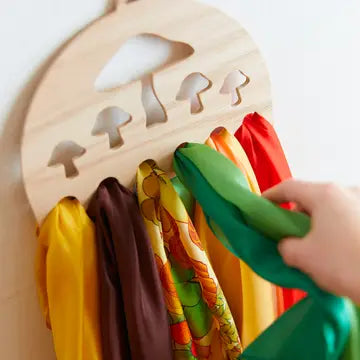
x: 330, y: 253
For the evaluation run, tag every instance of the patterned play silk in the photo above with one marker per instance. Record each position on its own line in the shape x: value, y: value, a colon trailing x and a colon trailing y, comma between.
x: 263, y: 149
x: 201, y: 324
x: 251, y: 298
x: 134, y: 321
x: 315, y: 328
x: 67, y: 281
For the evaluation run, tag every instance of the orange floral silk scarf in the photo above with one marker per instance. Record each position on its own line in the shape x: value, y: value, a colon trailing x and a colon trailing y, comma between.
x: 202, y: 326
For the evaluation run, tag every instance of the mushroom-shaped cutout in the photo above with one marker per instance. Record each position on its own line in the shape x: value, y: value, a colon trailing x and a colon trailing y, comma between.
x: 64, y: 154
x: 191, y: 88
x: 149, y: 53
x: 109, y: 122
x: 232, y: 85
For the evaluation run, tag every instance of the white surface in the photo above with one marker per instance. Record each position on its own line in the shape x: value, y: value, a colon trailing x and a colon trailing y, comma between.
x: 312, y: 51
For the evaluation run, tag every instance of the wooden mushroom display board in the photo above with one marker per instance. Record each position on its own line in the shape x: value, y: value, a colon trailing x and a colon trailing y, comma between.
x: 68, y: 108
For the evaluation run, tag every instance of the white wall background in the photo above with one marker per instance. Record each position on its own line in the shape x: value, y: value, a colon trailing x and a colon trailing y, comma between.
x: 312, y: 49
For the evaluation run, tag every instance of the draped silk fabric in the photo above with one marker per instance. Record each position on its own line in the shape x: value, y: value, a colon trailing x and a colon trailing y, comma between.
x: 66, y: 274
x: 202, y: 326
x: 263, y: 149
x: 251, y: 298
x: 134, y: 323
x: 315, y: 328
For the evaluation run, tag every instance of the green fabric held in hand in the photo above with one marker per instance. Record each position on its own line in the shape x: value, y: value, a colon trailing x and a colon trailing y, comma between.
x: 250, y: 226
x: 352, y: 349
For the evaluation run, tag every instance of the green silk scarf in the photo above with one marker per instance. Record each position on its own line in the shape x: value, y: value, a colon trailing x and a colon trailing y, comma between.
x: 316, y: 328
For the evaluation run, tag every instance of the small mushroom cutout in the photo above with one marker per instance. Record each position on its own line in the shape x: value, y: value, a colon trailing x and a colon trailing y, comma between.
x: 232, y: 85
x: 64, y: 154
x: 109, y: 122
x: 191, y: 88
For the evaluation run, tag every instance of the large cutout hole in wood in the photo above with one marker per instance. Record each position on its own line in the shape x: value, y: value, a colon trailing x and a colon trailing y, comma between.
x: 191, y: 88
x: 232, y: 85
x: 109, y: 121
x: 64, y: 154
x: 149, y: 53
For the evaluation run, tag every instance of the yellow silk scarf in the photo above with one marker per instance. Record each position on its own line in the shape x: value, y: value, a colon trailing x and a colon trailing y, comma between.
x: 201, y: 324
x: 252, y: 300
x: 67, y: 281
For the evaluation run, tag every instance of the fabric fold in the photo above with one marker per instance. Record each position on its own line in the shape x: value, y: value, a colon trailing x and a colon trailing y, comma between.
x: 315, y: 328
x: 66, y: 274
x: 202, y: 326
x: 263, y: 149
x: 134, y: 323
x: 252, y: 300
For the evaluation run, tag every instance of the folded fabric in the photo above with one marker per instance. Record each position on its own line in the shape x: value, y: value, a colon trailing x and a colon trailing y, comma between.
x: 315, y: 328
x: 66, y: 274
x: 352, y: 349
x: 263, y: 149
x: 202, y: 326
x: 134, y: 323
x: 185, y: 196
x: 262, y: 146
x: 251, y: 299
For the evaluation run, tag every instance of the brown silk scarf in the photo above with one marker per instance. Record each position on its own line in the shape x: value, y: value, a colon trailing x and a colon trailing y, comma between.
x: 134, y: 323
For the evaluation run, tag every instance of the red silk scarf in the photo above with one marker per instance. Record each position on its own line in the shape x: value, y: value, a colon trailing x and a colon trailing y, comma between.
x: 262, y: 146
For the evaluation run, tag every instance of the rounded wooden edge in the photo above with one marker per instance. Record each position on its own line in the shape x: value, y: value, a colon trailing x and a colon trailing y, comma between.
x: 39, y: 213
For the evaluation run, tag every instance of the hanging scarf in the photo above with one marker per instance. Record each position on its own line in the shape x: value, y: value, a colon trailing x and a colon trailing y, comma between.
x: 251, y: 299
x: 262, y: 146
x: 202, y: 326
x: 263, y: 149
x: 315, y: 328
x: 134, y: 322
x: 66, y: 274
x: 185, y: 196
